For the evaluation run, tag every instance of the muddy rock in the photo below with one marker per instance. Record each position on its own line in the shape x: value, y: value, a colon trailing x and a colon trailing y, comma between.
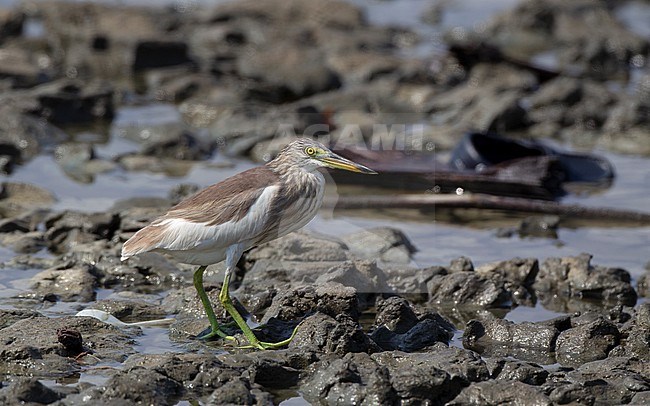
x: 576, y: 277
x: 28, y: 391
x: 22, y: 198
x: 467, y: 288
x: 415, y: 378
x: 27, y: 353
x: 412, y: 282
x: 275, y: 69
x: 384, y: 243
x: 141, y: 386
x: 485, y: 103
x: 69, y: 228
x: 501, y: 392
x: 580, y: 32
x: 185, y: 146
x: 72, y: 101
x: 24, y: 243
x: 615, y: 380
x: 10, y: 316
x: 130, y: 309
x: 509, y: 370
x: 79, y: 161
x: 493, y: 331
x: 587, y: 342
x: 399, y: 328
x: 364, y: 276
x: 628, y: 121
x: 65, y: 284
x: 326, y: 334
x: 520, y: 270
x: 300, y: 246
x: 330, y: 13
x: 353, y: 378
x: 330, y: 298
x: 635, y: 340
x: 458, y: 362
x: 23, y: 136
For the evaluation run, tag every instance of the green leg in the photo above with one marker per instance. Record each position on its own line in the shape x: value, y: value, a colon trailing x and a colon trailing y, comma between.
x: 226, y: 301
x: 214, y: 324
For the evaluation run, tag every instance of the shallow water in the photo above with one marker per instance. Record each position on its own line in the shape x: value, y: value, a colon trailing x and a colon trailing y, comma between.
x: 437, y: 242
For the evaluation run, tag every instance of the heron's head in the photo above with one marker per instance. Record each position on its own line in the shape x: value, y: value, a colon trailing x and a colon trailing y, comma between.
x: 310, y: 155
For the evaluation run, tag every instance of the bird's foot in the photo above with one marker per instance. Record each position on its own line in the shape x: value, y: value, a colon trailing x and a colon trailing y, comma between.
x: 214, y: 333
x: 261, y: 345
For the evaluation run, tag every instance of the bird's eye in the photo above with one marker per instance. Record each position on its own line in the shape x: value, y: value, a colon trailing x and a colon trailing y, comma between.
x: 310, y: 151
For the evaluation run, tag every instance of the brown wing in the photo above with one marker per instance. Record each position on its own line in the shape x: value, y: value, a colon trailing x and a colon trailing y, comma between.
x: 228, y: 200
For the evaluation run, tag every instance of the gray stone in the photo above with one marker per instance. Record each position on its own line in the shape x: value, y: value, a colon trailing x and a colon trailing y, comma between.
x: 28, y: 391
x: 508, y: 370
x: 380, y: 243
x: 31, y: 346
x: 467, y: 288
x: 416, y: 379
x: 66, y: 284
x: 399, y: 328
x: 541, y: 336
x: 501, y: 393
x: 325, y: 334
x: 587, y: 342
x: 351, y: 379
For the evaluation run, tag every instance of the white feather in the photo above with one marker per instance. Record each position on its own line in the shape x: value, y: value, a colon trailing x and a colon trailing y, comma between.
x: 203, y: 244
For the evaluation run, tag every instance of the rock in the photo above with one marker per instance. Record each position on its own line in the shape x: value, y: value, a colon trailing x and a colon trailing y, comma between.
x: 330, y: 298
x: 300, y: 246
x: 635, y: 341
x: 614, y: 380
x: 365, y: 276
x: 10, y: 316
x: 387, y: 244
x: 508, y: 370
x: 461, y: 264
x: 488, y: 100
x: 458, y: 362
x: 79, y: 162
x: 576, y: 277
x: 500, y: 393
x: 331, y: 13
x: 399, y: 328
x: 588, y: 342
x: 350, y: 379
x: 274, y: 68
x: 628, y: 121
x: 128, y: 309
x: 467, y: 288
x: 485, y: 333
x: 160, y: 53
x: 259, y: 130
x: 532, y: 26
x: 28, y: 391
x: 412, y: 282
x: 520, y: 270
x: 71, y: 101
x: 68, y: 229
x: 24, y: 243
x: 65, y: 284
x: 416, y: 380
x: 20, y: 198
x: 362, y: 67
x: 325, y: 334
x: 141, y: 386
x: 27, y: 353
x: 23, y: 136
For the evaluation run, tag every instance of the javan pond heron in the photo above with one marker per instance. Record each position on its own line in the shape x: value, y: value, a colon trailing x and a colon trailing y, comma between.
x: 241, y: 212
